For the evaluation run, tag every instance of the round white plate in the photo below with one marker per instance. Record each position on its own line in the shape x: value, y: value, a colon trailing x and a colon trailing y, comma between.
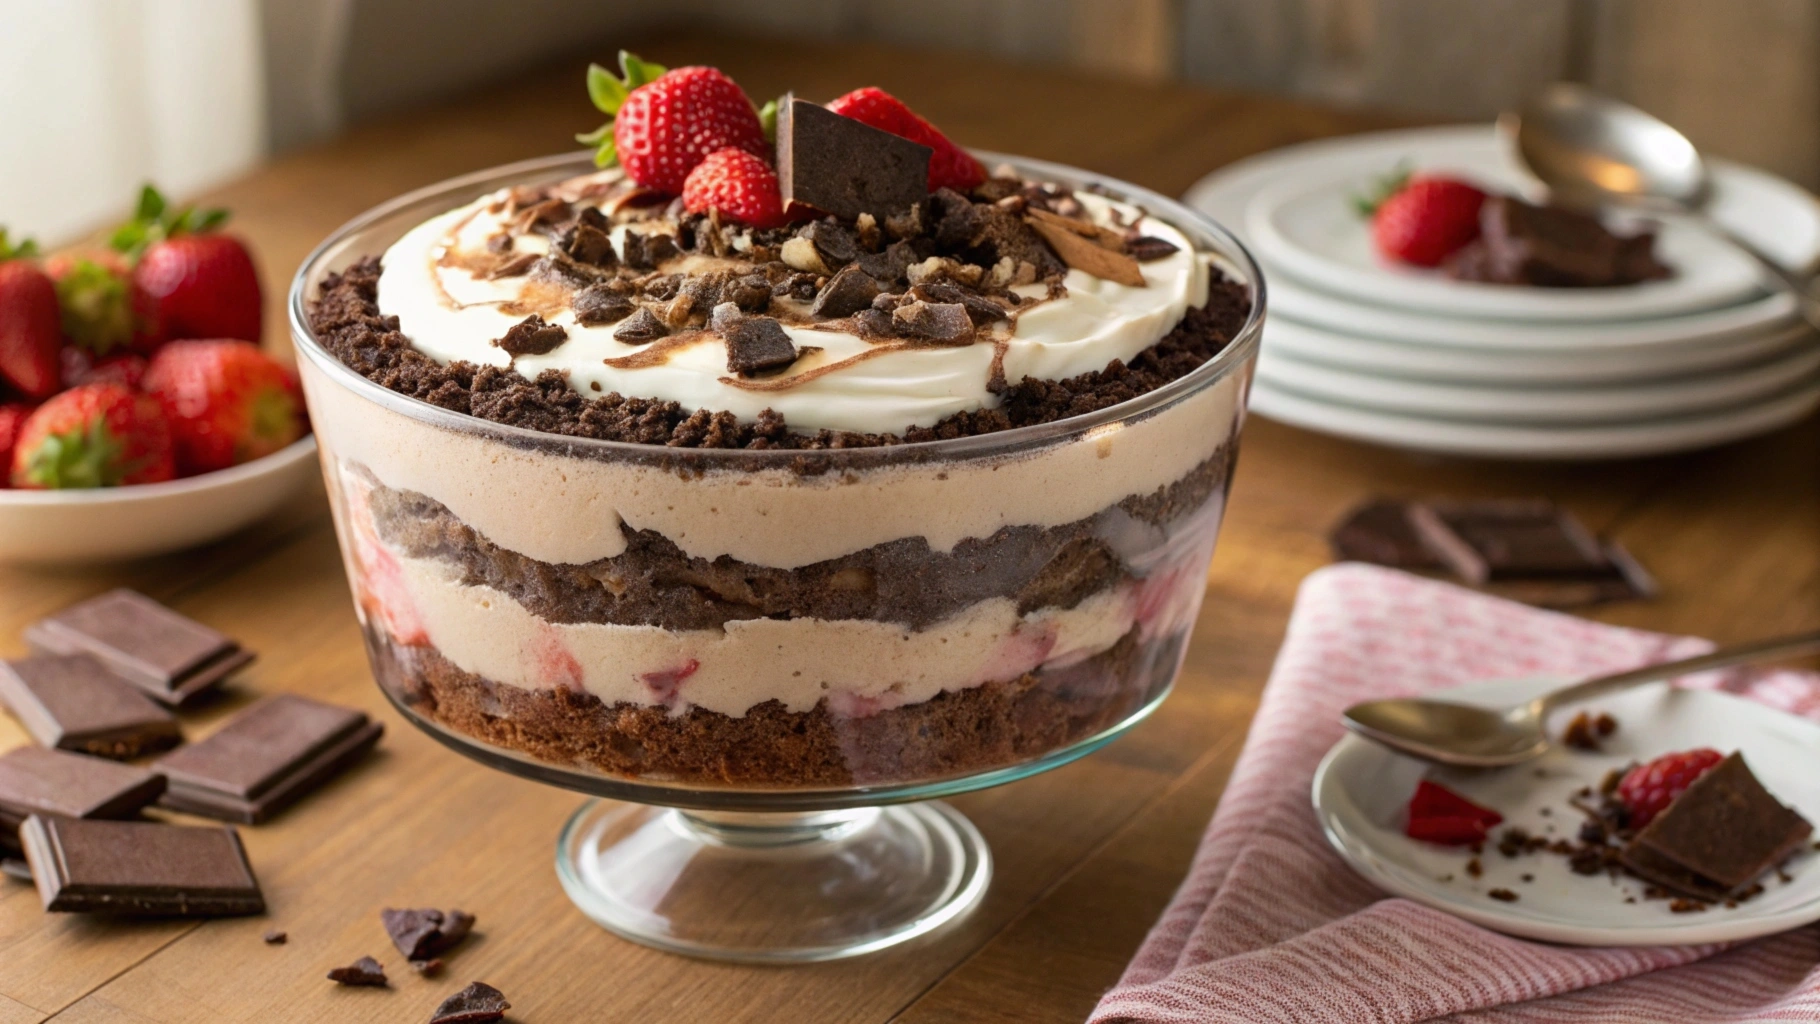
x: 1501, y: 403
x: 1361, y: 789
x: 1311, y: 343
x: 1527, y: 441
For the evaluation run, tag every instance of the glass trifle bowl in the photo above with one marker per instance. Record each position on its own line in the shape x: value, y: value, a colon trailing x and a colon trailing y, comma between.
x: 766, y: 665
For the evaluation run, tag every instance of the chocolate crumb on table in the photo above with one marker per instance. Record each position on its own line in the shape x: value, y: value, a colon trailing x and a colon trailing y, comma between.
x: 476, y: 1004
x: 365, y: 971
x: 422, y: 934
x: 277, y: 938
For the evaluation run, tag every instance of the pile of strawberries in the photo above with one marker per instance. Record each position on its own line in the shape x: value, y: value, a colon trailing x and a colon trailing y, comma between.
x: 693, y: 132
x: 140, y: 362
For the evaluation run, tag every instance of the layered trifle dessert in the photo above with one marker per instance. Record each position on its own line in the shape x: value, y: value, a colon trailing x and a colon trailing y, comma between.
x: 841, y: 458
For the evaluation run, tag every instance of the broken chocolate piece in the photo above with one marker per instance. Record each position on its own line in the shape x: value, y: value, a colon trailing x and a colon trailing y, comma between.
x: 640, y: 328
x: 1379, y: 532
x: 751, y: 293
x: 364, y: 971
x: 276, y: 937
x: 1720, y: 835
x: 532, y: 337
x: 587, y: 243
x: 944, y: 323
x: 648, y: 251
x: 979, y: 308
x: 34, y: 780
x: 887, y: 268
x: 170, y: 656
x: 874, y: 324
x: 756, y: 344
x: 836, y: 244
x: 265, y: 758
x: 425, y: 933
x: 846, y: 293
x: 476, y: 1004
x: 844, y: 168
x: 1502, y: 895
x: 139, y: 867
x: 1551, y: 247
x: 1145, y: 248
x: 74, y: 702
x: 597, y: 305
x: 1087, y: 255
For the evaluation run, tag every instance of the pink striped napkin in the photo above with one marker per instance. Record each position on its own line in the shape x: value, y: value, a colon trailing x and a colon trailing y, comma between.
x: 1271, y: 926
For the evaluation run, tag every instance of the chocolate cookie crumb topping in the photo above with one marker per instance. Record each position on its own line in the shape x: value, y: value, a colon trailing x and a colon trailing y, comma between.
x: 756, y: 344
x: 533, y: 337
x: 1145, y: 248
x: 599, y: 304
x: 944, y: 323
x: 647, y: 251
x: 847, y: 292
x: 641, y: 328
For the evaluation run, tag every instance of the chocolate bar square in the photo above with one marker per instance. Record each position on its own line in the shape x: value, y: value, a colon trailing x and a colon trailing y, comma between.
x: 1720, y: 835
x: 842, y: 167
x: 139, y: 867
x: 76, y: 703
x: 34, y: 780
x: 168, y: 655
x: 266, y: 757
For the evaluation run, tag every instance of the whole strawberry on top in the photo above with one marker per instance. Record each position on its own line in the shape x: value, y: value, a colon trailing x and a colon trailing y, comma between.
x: 741, y: 186
x: 1422, y: 219
x: 31, y: 323
x: 662, y: 123
x: 104, y: 309
x: 200, y: 283
x: 227, y: 402
x: 97, y: 435
x: 949, y: 167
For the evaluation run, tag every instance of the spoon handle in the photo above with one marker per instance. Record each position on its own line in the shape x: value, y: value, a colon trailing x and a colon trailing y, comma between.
x: 1778, y: 647
x: 1799, y: 285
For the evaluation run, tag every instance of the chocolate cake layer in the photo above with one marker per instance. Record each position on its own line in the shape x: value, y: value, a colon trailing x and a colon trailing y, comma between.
x: 980, y: 728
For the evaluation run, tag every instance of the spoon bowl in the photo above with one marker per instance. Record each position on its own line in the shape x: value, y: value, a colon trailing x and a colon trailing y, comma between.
x: 1592, y: 150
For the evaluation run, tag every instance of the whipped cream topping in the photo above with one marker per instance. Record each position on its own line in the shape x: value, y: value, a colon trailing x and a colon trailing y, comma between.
x: 848, y: 383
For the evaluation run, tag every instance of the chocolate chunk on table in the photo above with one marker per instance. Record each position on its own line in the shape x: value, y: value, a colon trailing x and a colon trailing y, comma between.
x: 844, y: 168
x: 265, y: 757
x: 1719, y: 836
x: 365, y: 971
x: 756, y: 344
x: 421, y: 934
x: 170, y: 656
x: 34, y: 780
x: 476, y: 1004
x: 139, y: 868
x: 1380, y: 532
x: 77, y: 703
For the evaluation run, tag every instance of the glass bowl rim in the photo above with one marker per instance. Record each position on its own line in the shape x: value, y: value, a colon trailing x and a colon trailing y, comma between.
x: 1225, y: 247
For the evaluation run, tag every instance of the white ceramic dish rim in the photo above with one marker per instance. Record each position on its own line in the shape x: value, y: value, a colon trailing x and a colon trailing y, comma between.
x: 298, y: 450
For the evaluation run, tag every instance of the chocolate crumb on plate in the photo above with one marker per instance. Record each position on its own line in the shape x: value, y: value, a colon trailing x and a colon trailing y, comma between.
x: 265, y: 758
x: 756, y: 344
x: 476, y: 1004
x: 842, y: 167
x: 139, y: 867
x: 276, y: 937
x: 532, y: 337
x: 365, y: 971
x: 170, y: 656
x: 1503, y: 895
x: 74, y: 702
x: 424, y: 933
x: 1474, y: 868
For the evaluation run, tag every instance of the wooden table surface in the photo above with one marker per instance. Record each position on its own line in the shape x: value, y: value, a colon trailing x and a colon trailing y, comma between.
x: 1086, y: 855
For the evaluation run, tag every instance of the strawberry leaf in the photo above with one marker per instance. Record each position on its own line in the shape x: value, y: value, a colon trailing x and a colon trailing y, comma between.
x: 606, y: 154
x: 151, y: 204
x: 607, y: 92
x: 154, y: 221
x: 81, y: 457
x: 1383, y: 187
x: 25, y: 249
x: 767, y: 119
x: 638, y: 72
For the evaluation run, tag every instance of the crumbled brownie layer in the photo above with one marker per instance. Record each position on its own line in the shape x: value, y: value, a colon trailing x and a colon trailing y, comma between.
x: 981, y: 728
x: 346, y: 320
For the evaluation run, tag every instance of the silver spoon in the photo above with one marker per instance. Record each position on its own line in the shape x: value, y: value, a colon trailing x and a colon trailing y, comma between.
x: 1475, y: 737
x: 1593, y: 151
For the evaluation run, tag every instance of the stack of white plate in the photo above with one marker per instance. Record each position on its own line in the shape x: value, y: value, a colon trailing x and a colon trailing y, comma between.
x: 1363, y: 348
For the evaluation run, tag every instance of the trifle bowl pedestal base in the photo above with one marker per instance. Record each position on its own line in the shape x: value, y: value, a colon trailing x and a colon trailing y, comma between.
x: 772, y: 887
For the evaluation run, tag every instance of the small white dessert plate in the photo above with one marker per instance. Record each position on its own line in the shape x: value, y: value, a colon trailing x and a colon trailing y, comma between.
x: 1547, y: 404
x: 112, y: 523
x: 1361, y: 789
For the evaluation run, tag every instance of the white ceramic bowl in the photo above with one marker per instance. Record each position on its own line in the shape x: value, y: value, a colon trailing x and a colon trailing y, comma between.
x: 67, y: 527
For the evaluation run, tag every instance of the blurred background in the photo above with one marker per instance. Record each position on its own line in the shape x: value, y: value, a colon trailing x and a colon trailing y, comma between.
x: 100, y: 95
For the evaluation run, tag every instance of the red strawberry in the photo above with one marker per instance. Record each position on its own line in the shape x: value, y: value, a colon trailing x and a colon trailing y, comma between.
x: 12, y: 418
x: 1427, y: 219
x: 227, y: 401
x: 104, y: 310
x: 198, y: 283
x: 79, y: 368
x: 97, y: 435
x: 1439, y: 815
x: 739, y: 185
x: 662, y: 123
x: 31, y: 325
x: 1648, y: 789
x: 950, y: 166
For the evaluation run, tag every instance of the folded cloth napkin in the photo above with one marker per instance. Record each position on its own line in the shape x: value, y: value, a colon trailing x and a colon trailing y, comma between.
x: 1272, y: 926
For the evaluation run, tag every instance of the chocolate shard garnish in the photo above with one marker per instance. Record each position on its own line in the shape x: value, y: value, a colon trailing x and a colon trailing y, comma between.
x: 979, y: 308
x: 757, y: 344
x: 532, y: 337
x: 74, y: 702
x: 846, y: 293
x: 641, y: 328
x: 139, y: 868
x: 647, y: 251
x: 1088, y: 256
x: 598, y: 305
x: 844, y: 168
x: 943, y: 323
x: 1719, y: 836
x: 1145, y: 248
x: 476, y: 1004
x: 365, y: 971
x: 421, y: 934
x: 34, y: 780
x: 887, y: 268
x: 265, y: 758
x: 170, y: 656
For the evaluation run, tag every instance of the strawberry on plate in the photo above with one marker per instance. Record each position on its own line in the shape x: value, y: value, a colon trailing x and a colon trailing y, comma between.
x: 1648, y: 789
x: 104, y: 309
x: 1439, y: 815
x: 198, y: 282
x: 741, y: 186
x: 31, y: 324
x: 1422, y: 219
x: 227, y: 402
x: 662, y: 123
x: 949, y: 167
x: 12, y: 419
x: 97, y: 435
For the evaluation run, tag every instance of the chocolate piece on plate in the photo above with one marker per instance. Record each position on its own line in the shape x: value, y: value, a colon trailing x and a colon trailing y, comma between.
x: 170, y: 656
x: 756, y: 344
x: 532, y: 337
x: 139, y: 867
x: 76, y: 703
x: 421, y: 934
x: 1528, y: 549
x: 364, y: 971
x: 844, y: 168
x: 1521, y: 243
x: 1380, y: 532
x: 476, y: 1004
x: 265, y: 757
x: 16, y: 869
x: 34, y: 780
x: 1719, y: 836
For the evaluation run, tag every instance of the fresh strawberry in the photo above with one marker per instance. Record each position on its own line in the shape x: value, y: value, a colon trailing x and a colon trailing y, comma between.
x: 78, y: 368
x: 950, y: 166
x: 31, y: 325
x: 1439, y: 815
x: 739, y: 185
x: 97, y: 435
x: 1427, y: 219
x: 1648, y: 789
x: 104, y: 309
x: 662, y: 123
x: 12, y: 418
x: 227, y: 401
x: 199, y: 283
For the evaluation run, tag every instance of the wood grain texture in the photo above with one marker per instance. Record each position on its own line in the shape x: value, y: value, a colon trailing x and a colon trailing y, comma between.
x: 1086, y: 855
